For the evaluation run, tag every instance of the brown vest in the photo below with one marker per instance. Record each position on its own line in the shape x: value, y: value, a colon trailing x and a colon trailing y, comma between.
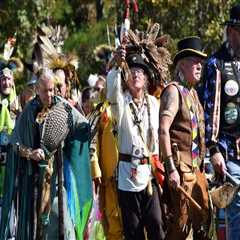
x: 181, y: 129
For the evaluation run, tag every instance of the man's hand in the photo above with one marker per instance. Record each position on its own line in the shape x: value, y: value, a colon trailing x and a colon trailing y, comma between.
x: 37, y: 155
x: 120, y: 55
x: 97, y: 182
x: 174, y: 179
x: 218, y: 163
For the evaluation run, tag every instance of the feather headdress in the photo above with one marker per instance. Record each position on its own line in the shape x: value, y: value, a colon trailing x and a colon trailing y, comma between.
x: 56, y: 35
x: 55, y: 60
x: 103, y: 53
x: 153, y: 51
x: 69, y: 64
x: 7, y: 61
x: 47, y: 47
x: 46, y: 53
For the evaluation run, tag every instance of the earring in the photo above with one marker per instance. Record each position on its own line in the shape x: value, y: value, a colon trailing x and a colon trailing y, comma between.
x: 180, y: 75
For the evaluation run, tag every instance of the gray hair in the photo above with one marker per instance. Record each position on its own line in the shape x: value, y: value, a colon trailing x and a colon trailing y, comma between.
x: 45, y: 74
x: 177, y: 70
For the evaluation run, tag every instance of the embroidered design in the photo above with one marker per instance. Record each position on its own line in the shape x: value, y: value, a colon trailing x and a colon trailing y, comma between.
x: 194, y: 124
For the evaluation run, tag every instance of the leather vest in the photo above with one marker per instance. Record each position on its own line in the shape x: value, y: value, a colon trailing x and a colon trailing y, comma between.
x: 230, y: 99
x: 181, y: 130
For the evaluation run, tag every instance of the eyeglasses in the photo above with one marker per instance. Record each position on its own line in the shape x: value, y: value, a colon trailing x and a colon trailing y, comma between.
x: 137, y: 70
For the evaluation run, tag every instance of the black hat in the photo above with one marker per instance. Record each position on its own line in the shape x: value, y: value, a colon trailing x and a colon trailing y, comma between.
x: 234, y: 16
x: 136, y: 60
x: 187, y: 47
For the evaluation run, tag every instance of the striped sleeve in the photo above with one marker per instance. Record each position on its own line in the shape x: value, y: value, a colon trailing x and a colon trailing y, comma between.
x: 211, y: 101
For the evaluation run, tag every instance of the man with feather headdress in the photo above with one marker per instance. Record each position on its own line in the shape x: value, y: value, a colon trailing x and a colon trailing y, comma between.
x: 47, y: 52
x: 141, y: 61
x: 44, y: 124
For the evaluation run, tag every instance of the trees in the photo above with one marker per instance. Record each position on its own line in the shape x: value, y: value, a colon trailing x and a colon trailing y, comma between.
x: 181, y: 18
x: 87, y: 22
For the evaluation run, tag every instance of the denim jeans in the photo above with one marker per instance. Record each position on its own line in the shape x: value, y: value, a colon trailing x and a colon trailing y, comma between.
x: 233, y: 211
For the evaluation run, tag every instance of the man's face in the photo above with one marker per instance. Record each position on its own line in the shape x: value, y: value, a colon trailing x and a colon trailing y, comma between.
x: 138, y: 80
x: 234, y: 39
x: 100, y: 85
x: 45, y: 91
x: 62, y: 87
x: 192, y: 68
x: 6, y: 84
x: 87, y: 107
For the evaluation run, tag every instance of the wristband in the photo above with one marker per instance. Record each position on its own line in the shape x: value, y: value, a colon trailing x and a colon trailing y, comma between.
x: 169, y: 164
x: 24, y: 151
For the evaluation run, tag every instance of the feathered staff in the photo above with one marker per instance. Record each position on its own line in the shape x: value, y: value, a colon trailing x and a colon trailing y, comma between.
x: 122, y: 41
x: 126, y: 24
x: 127, y: 8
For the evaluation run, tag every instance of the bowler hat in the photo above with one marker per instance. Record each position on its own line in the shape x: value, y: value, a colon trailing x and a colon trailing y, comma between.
x: 234, y: 16
x: 187, y: 47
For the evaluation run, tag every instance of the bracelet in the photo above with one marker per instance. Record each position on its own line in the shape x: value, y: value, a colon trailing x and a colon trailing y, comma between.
x: 24, y: 151
x: 169, y: 164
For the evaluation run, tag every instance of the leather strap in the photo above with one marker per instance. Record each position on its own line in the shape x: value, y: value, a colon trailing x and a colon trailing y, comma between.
x: 128, y: 158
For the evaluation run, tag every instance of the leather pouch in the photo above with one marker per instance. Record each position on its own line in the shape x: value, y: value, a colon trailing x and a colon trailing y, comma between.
x: 187, y: 174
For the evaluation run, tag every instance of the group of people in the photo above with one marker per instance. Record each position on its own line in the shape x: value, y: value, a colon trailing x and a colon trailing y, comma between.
x: 137, y: 140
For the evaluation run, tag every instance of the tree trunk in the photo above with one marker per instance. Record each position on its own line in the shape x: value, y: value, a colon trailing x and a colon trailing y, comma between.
x: 99, y: 9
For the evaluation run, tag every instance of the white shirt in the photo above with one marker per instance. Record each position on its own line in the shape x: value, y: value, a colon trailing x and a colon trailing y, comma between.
x: 129, y: 138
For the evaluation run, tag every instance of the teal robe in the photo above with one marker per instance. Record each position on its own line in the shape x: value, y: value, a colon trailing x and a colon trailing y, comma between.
x: 22, y: 176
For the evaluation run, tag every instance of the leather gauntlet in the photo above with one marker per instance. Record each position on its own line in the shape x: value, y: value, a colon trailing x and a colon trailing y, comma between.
x: 169, y: 165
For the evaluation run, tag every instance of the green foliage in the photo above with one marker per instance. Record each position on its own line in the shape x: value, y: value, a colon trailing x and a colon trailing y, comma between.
x: 178, y: 18
x: 83, y: 43
x: 181, y: 18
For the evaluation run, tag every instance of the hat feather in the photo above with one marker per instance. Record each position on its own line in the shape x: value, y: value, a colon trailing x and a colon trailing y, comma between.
x: 153, y: 32
x: 133, y: 38
x: 47, y: 46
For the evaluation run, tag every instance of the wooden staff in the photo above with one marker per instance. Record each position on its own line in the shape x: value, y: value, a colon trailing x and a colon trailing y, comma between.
x: 59, y: 156
x: 231, y: 179
x: 182, y: 190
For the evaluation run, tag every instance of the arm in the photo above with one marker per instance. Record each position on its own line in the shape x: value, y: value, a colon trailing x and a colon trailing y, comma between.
x: 114, y: 87
x: 29, y: 153
x: 22, y: 138
x: 169, y: 107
